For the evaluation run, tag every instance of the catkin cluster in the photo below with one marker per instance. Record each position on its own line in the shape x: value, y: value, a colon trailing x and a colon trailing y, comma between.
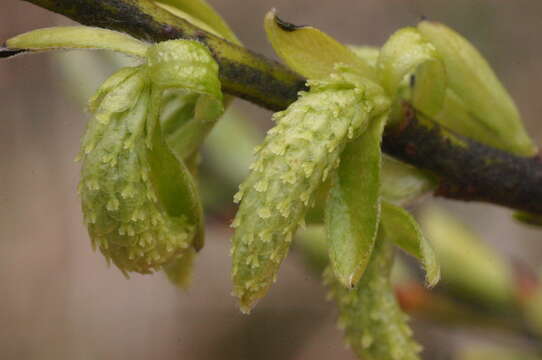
x: 120, y: 205
x: 296, y: 157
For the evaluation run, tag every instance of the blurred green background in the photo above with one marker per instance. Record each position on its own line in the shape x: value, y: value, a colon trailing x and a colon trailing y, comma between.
x: 59, y: 300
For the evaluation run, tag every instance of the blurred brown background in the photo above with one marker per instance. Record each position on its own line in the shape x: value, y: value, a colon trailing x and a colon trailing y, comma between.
x: 58, y: 299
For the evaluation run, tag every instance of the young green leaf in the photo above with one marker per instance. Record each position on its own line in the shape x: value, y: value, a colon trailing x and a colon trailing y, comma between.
x: 456, y: 116
x: 175, y: 188
x: 78, y: 37
x: 410, y: 67
x: 401, y: 54
x: 295, y: 158
x: 401, y: 228
x: 201, y: 14
x: 374, y: 325
x: 353, y: 206
x: 428, y: 87
x: 187, y: 66
x: 309, y: 51
x: 184, y: 64
x: 472, y: 79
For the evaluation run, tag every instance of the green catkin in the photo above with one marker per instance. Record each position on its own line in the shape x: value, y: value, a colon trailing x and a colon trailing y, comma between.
x: 140, y: 203
x: 125, y: 219
x: 297, y: 155
x: 374, y: 325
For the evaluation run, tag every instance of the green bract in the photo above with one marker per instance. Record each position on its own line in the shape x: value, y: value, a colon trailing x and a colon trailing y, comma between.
x: 444, y: 77
x: 187, y: 69
x: 400, y: 56
x: 410, y: 68
x: 353, y: 207
x: 492, y: 111
x: 401, y: 228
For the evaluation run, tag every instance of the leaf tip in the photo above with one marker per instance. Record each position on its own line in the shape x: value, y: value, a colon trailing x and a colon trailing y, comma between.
x: 246, y: 303
x: 284, y: 25
x: 353, y: 280
x: 432, y: 277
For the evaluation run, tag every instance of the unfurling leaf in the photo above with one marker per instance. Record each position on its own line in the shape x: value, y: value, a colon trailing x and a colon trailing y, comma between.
x: 295, y: 158
x: 402, y: 53
x: 401, y: 228
x: 374, y: 325
x: 183, y: 64
x: 115, y: 98
x: 201, y: 14
x: 473, y: 81
x: 191, y: 116
x: 428, y: 87
x: 409, y: 67
x: 353, y: 206
x: 309, y: 51
x: 189, y: 73
x: 175, y: 188
x: 122, y: 202
x: 78, y: 37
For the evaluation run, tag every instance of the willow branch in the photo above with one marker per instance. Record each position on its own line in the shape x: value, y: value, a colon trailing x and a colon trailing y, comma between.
x: 468, y: 170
